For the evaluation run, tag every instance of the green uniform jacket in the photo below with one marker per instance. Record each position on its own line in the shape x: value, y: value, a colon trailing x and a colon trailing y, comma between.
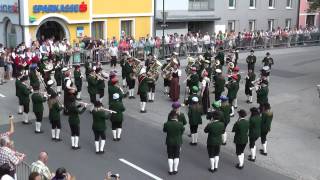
x: 226, y: 110
x: 128, y: 69
x: 58, y: 73
x: 215, y: 130
x: 262, y: 95
x: 92, y: 85
x: 174, y: 130
x: 77, y: 78
x: 101, y: 85
x: 181, y: 118
x: 189, y: 101
x: 255, y: 126
x: 54, y: 112
x: 112, y: 89
x: 34, y: 81
x: 74, y: 114
x: 119, y: 108
x: 143, y: 86
x: 37, y: 102
x: 25, y: 92
x: 221, y: 115
x: 241, y: 129
x: 239, y: 78
x: 232, y: 90
x: 194, y: 115
x: 266, y: 120
x: 18, y: 87
x: 220, y: 56
x: 193, y: 81
x: 99, y: 120
x: 87, y: 68
x: 219, y: 84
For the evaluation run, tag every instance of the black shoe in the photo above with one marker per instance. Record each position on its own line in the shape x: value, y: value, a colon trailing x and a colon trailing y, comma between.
x: 26, y: 123
x: 263, y: 153
x: 143, y: 111
x: 236, y: 107
x: 251, y: 159
x: 101, y: 152
x: 215, y: 170
x: 211, y: 170
x: 175, y: 172
x: 77, y: 148
x: 118, y: 139
x: 224, y: 144
x: 232, y: 115
x: 193, y: 144
x: 248, y: 101
x: 189, y: 135
x: 239, y: 167
x: 98, y: 152
x: 58, y: 140
x: 53, y: 139
x: 38, y: 132
x: 170, y: 173
x: 20, y: 113
x: 115, y: 139
x: 72, y: 147
x: 150, y: 101
x: 79, y: 99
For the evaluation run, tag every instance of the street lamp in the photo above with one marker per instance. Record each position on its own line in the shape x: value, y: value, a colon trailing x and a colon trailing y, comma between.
x: 163, y: 25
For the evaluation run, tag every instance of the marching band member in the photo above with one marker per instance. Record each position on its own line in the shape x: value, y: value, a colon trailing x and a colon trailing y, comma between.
x: 176, y: 73
x: 266, y: 119
x: 58, y: 75
x: 28, y: 60
x: 226, y: 110
x: 25, y: 99
x: 254, y: 131
x: 215, y: 129
x: 34, y: 76
x: 92, y: 87
x: 194, y: 115
x: 251, y: 60
x: 241, y: 128
x: 114, y: 88
x: 37, y: 102
x: 174, y: 130
x: 233, y: 88
x: 176, y: 111
x: 194, y: 93
x: 219, y: 84
x: 251, y: 77
x: 50, y: 90
x: 116, y: 118
x: 262, y: 93
x: 18, y: 84
x: 143, y: 89
x: 78, y: 81
x: 124, y: 74
x: 236, y: 72
x: 268, y: 61
x: 166, y: 80
x: 69, y: 90
x: 193, y: 79
x: 74, y: 122
x: 99, y: 127
x: 54, y: 116
x: 152, y: 84
x: 205, y: 96
x: 131, y: 81
x: 100, y: 85
x: 220, y: 56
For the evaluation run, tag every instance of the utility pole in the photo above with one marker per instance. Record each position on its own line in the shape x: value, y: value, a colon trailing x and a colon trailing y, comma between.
x: 164, y: 25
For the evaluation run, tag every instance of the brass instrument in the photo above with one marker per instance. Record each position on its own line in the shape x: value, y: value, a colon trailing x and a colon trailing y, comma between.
x: 167, y: 71
x: 136, y: 68
x: 153, y: 72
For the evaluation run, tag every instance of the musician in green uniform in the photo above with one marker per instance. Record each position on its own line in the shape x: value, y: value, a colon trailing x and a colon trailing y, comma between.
x: 99, y: 127
x: 49, y: 88
x: 166, y: 80
x: 25, y: 92
x: 114, y: 88
x: 87, y: 67
x: 195, y: 119
x: 117, y: 117
x: 226, y: 110
x: 241, y: 128
x: 215, y: 129
x: 262, y: 93
x: 251, y: 60
x: 143, y: 89
x: 55, y: 107
x: 124, y: 73
x: 194, y: 79
x: 33, y: 76
x: 92, y: 87
x: 216, y: 107
x: 58, y: 75
x: 233, y: 87
x: 219, y: 84
x: 130, y: 78
x: 176, y: 111
x: 74, y: 110
x: 18, y: 84
x: 266, y: 119
x: 37, y: 102
x: 174, y: 130
x: 220, y: 56
x: 254, y: 131
x: 78, y: 81
x: 251, y: 77
x: 237, y: 73
x: 194, y: 93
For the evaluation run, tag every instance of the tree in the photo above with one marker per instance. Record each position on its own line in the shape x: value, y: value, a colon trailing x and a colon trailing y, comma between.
x: 314, y: 5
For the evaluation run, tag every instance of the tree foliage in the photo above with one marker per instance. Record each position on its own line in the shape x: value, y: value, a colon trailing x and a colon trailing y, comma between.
x: 314, y: 5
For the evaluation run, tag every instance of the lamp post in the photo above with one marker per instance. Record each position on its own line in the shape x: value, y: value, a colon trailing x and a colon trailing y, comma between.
x: 164, y: 25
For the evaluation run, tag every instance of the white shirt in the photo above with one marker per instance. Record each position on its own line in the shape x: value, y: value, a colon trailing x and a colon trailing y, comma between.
x: 206, y: 39
x: 113, y: 51
x: 177, y: 71
x: 6, y: 177
x: 68, y: 83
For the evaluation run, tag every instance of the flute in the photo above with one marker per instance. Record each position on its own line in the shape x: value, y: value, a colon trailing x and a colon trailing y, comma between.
x: 104, y: 109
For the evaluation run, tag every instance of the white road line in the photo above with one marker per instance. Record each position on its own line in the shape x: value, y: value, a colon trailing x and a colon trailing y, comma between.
x: 1, y: 95
x: 140, y: 169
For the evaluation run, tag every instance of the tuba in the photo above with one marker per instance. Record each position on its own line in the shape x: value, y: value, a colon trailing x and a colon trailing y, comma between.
x: 166, y: 72
x: 136, y: 68
x: 153, y: 72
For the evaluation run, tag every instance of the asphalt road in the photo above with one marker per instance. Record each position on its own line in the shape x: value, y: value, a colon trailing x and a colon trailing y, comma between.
x: 292, y: 147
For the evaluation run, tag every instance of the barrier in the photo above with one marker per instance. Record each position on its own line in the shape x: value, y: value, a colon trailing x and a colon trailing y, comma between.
x: 23, y: 171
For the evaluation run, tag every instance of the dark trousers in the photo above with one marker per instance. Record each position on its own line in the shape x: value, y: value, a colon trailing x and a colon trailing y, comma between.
x: 99, y: 134
x: 152, y: 87
x: 173, y: 151
x: 56, y: 124
x: 263, y: 137
x: 38, y: 116
x: 116, y: 125
x: 252, y: 142
x: 26, y: 108
x: 213, y: 151
x: 240, y: 148
x: 193, y: 129
x: 75, y: 130
x: 92, y: 98
x: 217, y: 95
x: 143, y: 97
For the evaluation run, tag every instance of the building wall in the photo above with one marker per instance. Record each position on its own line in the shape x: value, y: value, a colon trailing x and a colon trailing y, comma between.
x: 170, y: 5
x: 304, y: 6
x: 122, y: 7
x: 242, y: 14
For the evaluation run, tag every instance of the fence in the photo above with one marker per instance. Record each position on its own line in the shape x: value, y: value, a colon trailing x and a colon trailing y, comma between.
x: 23, y: 171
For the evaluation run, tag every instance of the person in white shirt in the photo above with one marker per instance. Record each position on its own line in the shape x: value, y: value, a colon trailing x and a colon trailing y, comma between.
x: 206, y: 39
x: 113, y: 50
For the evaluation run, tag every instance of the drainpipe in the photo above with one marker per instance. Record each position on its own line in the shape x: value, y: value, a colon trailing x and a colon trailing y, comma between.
x: 298, y: 18
x: 22, y: 28
x: 154, y: 17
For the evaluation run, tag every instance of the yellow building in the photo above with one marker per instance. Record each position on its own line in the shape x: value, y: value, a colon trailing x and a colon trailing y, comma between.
x: 73, y: 19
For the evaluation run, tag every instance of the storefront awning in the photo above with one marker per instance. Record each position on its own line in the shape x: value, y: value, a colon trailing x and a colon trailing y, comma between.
x: 188, y: 16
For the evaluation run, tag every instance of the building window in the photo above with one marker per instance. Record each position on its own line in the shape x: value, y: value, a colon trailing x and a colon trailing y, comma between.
x: 252, y: 25
x: 127, y: 27
x: 231, y: 26
x: 232, y: 4
x: 97, y: 30
x: 289, y: 4
x: 310, y: 20
x: 271, y: 4
x: 270, y: 24
x: 201, y: 5
x: 288, y: 23
x: 252, y: 4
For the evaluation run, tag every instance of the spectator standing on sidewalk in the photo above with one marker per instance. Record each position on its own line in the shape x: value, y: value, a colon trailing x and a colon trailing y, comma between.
x: 41, y: 167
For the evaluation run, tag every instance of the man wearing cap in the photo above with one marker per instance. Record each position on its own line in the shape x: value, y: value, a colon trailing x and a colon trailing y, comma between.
x: 267, y: 61
x: 241, y: 128
x: 25, y: 99
x: 219, y: 84
x: 251, y: 60
x: 262, y: 93
x: 251, y: 77
x: 195, y: 119
x: 78, y: 81
x: 266, y: 119
x: 254, y: 131
x: 116, y: 118
x: 92, y: 87
x: 143, y: 89
x: 194, y: 93
x: 215, y: 129
x: 58, y: 75
x: 226, y: 110
x: 176, y: 111
x: 37, y: 102
x: 130, y: 78
x: 114, y: 88
x: 233, y: 88
x: 99, y: 127
x: 194, y: 78
x: 174, y: 130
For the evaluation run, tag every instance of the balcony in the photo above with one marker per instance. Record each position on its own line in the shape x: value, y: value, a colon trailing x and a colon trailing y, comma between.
x: 201, y: 5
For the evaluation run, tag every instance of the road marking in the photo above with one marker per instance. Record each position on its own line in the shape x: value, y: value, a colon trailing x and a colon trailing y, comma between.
x: 1, y: 95
x: 140, y: 169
